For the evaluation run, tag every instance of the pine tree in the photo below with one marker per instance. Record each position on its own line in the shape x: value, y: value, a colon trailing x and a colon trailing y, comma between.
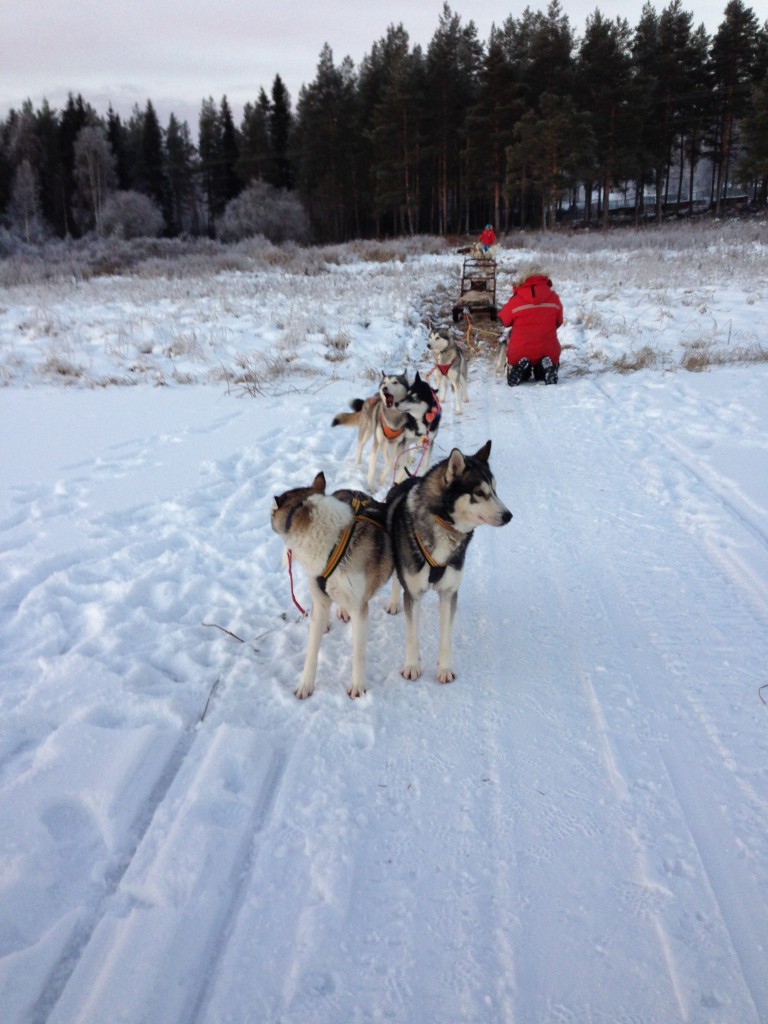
x: 553, y: 149
x: 117, y: 141
x: 327, y: 145
x: 76, y: 115
x: 396, y: 135
x: 753, y: 166
x: 452, y: 63
x: 210, y: 148
x: 182, y: 214
x: 255, y: 158
x: 603, y: 81
x: 151, y: 179
x: 490, y: 130
x: 735, y: 68
x: 280, y: 131
x: 230, y: 153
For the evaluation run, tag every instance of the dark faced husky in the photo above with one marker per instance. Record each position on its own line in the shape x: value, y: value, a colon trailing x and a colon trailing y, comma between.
x: 379, y: 418
x: 424, y: 410
x: 451, y: 366
x: 341, y: 542
x: 430, y: 521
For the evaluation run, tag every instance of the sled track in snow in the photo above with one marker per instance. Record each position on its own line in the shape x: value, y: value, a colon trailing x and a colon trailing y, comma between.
x: 726, y: 559
x: 668, y: 743
x: 78, y: 942
x: 89, y: 960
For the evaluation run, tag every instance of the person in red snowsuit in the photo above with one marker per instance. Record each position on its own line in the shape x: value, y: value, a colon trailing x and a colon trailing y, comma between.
x: 488, y: 237
x: 534, y: 313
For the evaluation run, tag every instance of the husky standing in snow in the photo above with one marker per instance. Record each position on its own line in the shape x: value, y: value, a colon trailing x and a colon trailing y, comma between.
x: 422, y: 405
x: 430, y: 521
x: 451, y: 365
x: 380, y: 418
x: 341, y: 542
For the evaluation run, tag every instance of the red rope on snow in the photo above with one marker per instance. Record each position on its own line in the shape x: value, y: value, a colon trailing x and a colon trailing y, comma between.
x: 290, y: 576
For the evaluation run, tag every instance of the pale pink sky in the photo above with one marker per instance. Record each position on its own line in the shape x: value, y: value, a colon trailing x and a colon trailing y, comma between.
x: 178, y: 52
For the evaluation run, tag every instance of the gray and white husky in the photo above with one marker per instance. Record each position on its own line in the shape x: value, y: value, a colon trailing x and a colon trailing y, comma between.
x: 430, y: 521
x: 379, y: 417
x: 341, y: 542
x: 451, y: 365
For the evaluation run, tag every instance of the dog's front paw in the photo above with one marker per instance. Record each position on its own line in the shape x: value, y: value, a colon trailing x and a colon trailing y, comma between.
x: 342, y: 614
x: 411, y: 671
x: 304, y: 690
x: 392, y: 608
x: 445, y: 675
x: 356, y: 691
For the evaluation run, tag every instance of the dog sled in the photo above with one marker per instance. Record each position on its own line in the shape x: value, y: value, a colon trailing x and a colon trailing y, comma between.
x: 477, y: 297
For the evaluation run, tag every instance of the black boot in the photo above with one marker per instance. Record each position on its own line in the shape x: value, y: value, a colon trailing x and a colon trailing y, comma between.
x: 518, y: 372
x: 550, y: 370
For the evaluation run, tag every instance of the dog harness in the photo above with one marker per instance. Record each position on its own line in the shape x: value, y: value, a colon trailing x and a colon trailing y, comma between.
x: 436, y: 569
x: 358, y: 506
x: 389, y: 432
x: 445, y: 367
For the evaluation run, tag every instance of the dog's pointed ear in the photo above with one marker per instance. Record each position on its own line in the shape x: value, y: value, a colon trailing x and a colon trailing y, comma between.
x: 455, y: 465
x: 417, y: 378
x: 318, y: 484
x: 484, y: 452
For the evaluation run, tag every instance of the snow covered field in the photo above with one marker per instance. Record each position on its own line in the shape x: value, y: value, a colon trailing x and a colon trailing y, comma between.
x: 573, y: 832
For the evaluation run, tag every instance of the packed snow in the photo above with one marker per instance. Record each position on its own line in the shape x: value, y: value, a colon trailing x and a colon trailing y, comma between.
x: 572, y: 832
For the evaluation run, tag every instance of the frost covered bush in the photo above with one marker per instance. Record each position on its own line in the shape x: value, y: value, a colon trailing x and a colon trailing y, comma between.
x: 260, y: 209
x: 131, y: 215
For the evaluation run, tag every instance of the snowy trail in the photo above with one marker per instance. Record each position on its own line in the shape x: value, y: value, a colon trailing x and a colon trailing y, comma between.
x: 565, y: 834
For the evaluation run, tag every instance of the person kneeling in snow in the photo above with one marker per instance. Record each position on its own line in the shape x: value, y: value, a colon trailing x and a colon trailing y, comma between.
x: 533, y: 313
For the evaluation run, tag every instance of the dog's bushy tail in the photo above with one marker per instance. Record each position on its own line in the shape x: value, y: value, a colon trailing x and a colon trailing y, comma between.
x: 349, y: 419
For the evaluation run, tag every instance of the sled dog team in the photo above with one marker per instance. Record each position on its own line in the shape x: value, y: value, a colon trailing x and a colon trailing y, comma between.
x: 349, y: 544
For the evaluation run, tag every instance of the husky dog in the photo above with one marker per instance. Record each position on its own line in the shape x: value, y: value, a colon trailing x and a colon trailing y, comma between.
x: 379, y: 417
x: 501, y: 358
x: 341, y: 542
x: 424, y: 411
x: 451, y: 364
x: 430, y: 521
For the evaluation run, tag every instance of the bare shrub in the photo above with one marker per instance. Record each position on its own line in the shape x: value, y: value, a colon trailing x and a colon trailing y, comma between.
x: 698, y: 358
x: 644, y: 358
x: 130, y: 215
x: 336, y: 346
x: 263, y: 210
x: 58, y: 366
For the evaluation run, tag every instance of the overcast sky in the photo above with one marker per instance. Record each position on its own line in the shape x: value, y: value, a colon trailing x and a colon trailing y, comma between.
x: 178, y: 52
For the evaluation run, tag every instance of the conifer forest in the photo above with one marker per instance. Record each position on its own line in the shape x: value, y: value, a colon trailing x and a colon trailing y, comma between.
x: 541, y: 124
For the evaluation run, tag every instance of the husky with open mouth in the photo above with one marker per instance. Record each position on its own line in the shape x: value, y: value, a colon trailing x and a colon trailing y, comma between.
x: 379, y: 417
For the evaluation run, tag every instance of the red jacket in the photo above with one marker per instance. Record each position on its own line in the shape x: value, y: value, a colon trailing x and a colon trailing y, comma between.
x: 534, y: 312
x: 488, y: 237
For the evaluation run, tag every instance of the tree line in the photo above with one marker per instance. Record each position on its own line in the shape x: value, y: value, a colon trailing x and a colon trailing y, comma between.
x: 514, y: 132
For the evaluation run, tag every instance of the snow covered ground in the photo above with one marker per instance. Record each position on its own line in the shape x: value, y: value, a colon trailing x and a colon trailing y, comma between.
x: 572, y: 832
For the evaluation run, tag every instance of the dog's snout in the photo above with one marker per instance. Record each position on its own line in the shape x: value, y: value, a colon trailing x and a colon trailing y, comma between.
x: 506, y: 515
